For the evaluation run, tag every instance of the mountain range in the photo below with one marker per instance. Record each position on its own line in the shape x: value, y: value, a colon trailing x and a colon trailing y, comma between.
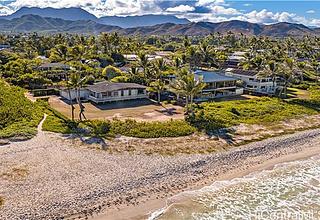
x: 77, y: 14
x: 74, y: 20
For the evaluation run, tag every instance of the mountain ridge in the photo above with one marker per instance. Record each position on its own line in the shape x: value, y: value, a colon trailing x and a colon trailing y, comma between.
x: 75, y: 14
x: 35, y: 23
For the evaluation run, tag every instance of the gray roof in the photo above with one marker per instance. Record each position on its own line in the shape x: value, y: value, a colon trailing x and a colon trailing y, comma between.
x: 55, y: 65
x: 209, y: 77
x: 243, y: 72
x: 109, y: 86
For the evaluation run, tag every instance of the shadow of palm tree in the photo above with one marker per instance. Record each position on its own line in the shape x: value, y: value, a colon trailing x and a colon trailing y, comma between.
x: 89, y: 140
x: 223, y: 133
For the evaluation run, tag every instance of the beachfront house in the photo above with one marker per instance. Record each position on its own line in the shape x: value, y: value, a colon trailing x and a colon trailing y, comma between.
x: 217, y: 85
x: 253, y: 81
x: 103, y: 92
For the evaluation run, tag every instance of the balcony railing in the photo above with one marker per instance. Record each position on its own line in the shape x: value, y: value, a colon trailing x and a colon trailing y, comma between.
x: 117, y: 98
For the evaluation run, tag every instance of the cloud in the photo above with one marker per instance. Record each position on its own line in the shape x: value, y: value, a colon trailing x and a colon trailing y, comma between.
x: 247, y: 4
x: 194, y: 10
x: 181, y: 8
x: 4, y: 10
x: 210, y: 2
x: 97, y: 7
x: 220, y: 10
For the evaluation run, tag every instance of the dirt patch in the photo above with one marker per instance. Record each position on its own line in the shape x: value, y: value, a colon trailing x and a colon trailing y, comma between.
x: 138, y: 110
x: 15, y: 174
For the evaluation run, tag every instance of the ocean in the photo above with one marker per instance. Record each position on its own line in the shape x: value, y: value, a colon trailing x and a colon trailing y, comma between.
x: 290, y: 191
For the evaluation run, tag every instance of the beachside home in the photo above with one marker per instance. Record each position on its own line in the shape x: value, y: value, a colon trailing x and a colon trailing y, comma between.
x: 103, y: 92
x: 217, y: 85
x: 253, y: 81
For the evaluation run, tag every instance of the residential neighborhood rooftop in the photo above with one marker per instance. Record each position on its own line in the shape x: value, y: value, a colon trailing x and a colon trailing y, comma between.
x: 55, y: 65
x: 109, y: 86
x: 242, y: 72
x: 210, y: 76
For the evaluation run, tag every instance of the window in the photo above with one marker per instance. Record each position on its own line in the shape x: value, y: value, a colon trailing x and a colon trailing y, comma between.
x: 140, y: 91
x: 122, y: 92
x: 115, y: 93
x: 129, y: 92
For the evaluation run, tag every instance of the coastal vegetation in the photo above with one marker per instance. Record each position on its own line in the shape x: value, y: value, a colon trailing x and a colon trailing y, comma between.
x: 18, y: 115
x: 216, y: 115
x: 172, y: 128
x: 293, y: 61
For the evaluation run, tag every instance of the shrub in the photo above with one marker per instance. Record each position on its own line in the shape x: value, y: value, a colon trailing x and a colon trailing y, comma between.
x: 18, y: 115
x: 212, y: 116
x: 111, y: 72
x: 315, y: 93
x: 172, y: 128
x: 98, y: 128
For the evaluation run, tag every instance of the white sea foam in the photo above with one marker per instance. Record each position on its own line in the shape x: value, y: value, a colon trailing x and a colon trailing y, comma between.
x: 289, y: 191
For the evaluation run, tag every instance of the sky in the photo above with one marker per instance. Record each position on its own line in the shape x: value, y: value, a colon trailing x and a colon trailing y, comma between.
x: 258, y: 11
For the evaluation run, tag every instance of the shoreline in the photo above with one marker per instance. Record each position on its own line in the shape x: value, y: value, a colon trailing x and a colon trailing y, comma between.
x: 98, y: 185
x: 144, y: 211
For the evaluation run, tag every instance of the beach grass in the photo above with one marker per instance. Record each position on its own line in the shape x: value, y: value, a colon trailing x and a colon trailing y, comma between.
x: 19, y: 116
x: 264, y: 111
x: 132, y: 128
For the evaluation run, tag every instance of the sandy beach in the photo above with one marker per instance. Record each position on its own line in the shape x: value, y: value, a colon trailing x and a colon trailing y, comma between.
x: 54, y: 177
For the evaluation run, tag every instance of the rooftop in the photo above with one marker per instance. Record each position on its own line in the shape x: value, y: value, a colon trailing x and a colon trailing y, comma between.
x: 55, y: 65
x: 210, y: 76
x: 109, y: 86
x: 242, y: 72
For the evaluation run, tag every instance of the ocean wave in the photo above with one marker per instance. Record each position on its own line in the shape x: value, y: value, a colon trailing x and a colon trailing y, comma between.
x: 289, y: 189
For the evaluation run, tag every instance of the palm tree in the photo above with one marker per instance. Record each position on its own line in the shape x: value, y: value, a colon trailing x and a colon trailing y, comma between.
x: 143, y: 62
x: 188, y: 86
x: 177, y: 62
x: 206, y: 53
x: 77, y: 82
x: 157, y: 86
x: 59, y: 53
x: 288, y: 72
x: 69, y: 87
